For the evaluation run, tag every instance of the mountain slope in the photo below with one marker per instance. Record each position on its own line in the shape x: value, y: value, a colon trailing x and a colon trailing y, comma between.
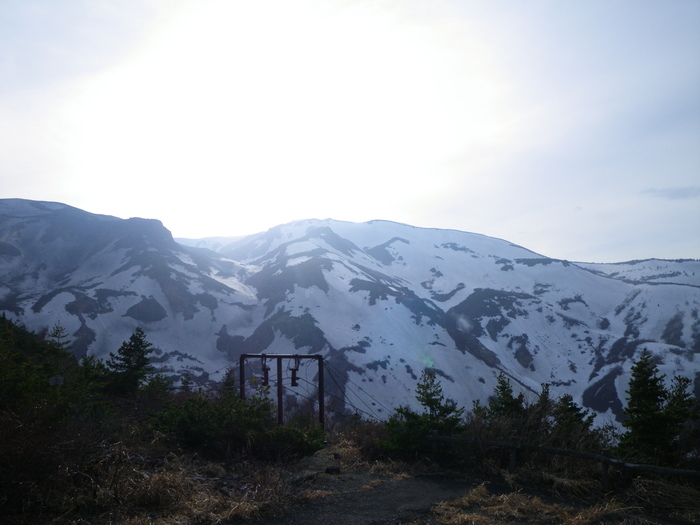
x: 381, y: 301
x: 100, y: 277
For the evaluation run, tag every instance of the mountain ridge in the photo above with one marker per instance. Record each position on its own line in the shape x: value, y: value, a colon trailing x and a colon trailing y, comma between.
x: 380, y: 300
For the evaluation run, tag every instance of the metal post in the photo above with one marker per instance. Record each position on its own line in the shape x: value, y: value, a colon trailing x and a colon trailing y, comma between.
x: 321, y: 395
x: 280, y: 386
x: 280, y: 418
x: 241, y: 375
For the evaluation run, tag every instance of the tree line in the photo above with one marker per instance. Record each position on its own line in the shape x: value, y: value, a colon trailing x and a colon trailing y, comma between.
x: 60, y: 419
x: 661, y: 422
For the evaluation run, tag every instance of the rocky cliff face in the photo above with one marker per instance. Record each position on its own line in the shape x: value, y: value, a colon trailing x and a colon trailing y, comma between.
x: 380, y: 301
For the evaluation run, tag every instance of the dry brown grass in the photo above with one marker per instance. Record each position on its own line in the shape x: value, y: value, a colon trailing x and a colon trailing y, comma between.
x: 351, y: 456
x: 556, y: 482
x: 123, y: 488
x: 678, y: 501
x: 396, y: 469
x: 372, y: 484
x: 316, y: 494
x: 365, y: 436
x: 481, y: 507
x: 138, y: 482
x: 506, y: 508
x: 581, y: 488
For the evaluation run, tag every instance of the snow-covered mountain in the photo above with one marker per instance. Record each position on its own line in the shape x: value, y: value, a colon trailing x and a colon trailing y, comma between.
x: 380, y: 301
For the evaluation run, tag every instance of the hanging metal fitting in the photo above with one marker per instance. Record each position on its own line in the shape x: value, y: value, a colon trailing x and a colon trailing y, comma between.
x: 266, y: 372
x: 295, y: 369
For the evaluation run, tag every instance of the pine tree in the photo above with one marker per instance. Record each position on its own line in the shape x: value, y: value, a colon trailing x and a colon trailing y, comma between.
x: 542, y: 409
x: 442, y: 412
x: 503, y: 402
x: 538, y: 416
x: 186, y: 383
x: 131, y: 364
x: 573, y: 425
x: 544, y: 400
x: 679, y: 401
x: 58, y: 359
x: 659, y: 418
x: 228, y: 382
x: 569, y: 415
x: 407, y: 430
x: 92, y: 372
x: 645, y: 420
x: 682, y: 420
x: 58, y: 338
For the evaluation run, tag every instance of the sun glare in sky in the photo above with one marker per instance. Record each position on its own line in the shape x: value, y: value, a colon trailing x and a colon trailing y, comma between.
x: 273, y: 109
x: 569, y: 128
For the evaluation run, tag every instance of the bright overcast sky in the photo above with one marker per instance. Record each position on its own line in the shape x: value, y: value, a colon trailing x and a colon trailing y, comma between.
x: 570, y: 128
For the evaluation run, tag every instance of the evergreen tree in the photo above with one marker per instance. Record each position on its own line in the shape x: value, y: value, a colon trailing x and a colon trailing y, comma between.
x: 503, y: 402
x: 569, y: 415
x: 537, y: 418
x: 58, y: 356
x: 442, y: 412
x: 92, y: 370
x: 544, y: 404
x: 543, y: 408
x: 131, y: 364
x: 655, y: 415
x: 186, y: 383
x: 58, y: 338
x: 645, y: 423
x: 659, y: 419
x: 573, y: 425
x: 228, y: 382
x: 682, y: 420
x: 407, y: 430
x: 679, y: 401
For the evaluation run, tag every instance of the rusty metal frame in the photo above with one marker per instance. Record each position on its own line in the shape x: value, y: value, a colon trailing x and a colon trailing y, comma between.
x: 280, y: 389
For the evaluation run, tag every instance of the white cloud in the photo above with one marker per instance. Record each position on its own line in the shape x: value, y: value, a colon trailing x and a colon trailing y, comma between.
x: 688, y: 192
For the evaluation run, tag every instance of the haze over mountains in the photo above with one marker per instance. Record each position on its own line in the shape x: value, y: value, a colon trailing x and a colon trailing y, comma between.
x: 380, y: 301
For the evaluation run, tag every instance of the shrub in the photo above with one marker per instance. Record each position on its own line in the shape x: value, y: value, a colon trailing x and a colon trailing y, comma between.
x: 285, y: 442
x: 215, y: 424
x: 407, y: 431
x: 222, y: 425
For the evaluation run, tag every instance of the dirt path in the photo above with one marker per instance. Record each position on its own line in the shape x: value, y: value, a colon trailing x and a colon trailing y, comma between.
x: 331, y: 493
x: 359, y: 498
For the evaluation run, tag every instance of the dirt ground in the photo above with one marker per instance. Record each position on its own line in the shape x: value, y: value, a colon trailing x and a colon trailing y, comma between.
x: 332, y: 493
x: 380, y: 501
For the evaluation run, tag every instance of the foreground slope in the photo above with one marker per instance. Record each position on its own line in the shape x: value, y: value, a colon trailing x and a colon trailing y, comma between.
x: 381, y: 301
